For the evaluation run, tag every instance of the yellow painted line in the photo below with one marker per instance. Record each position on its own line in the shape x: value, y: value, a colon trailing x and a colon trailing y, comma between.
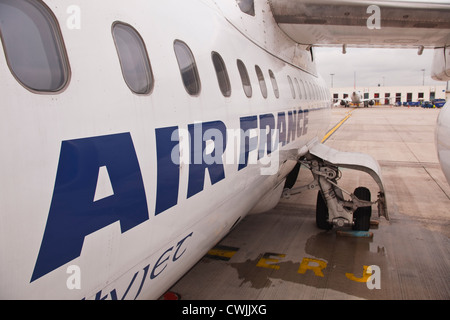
x: 269, y: 260
x: 317, y: 266
x: 222, y: 252
x: 334, y: 129
x: 366, y: 275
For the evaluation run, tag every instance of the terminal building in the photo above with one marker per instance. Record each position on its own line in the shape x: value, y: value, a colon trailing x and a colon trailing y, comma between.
x: 395, y: 94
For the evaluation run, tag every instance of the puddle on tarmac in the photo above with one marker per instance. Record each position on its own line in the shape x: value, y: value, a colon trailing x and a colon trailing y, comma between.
x: 331, y: 261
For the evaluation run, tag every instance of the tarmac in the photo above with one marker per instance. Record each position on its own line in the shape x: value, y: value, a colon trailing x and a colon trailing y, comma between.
x: 282, y: 255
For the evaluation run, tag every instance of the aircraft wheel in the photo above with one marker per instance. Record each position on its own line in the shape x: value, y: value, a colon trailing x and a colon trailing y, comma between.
x: 322, y: 213
x: 362, y: 215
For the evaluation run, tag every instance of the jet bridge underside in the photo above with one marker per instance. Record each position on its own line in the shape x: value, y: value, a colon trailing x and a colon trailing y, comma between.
x: 364, y: 23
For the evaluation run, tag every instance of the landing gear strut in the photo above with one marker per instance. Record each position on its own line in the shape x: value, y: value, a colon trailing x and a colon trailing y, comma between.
x: 332, y: 208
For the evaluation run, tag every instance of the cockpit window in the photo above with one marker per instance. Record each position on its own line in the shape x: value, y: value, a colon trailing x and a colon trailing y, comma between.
x: 33, y: 45
x: 247, y: 6
x: 188, y: 68
x: 133, y: 58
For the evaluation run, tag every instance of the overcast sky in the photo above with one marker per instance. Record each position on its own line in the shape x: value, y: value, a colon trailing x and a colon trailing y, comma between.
x: 391, y: 67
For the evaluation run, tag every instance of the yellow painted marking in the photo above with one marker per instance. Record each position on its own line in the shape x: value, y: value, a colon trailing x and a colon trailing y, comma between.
x: 334, y: 129
x: 317, y: 269
x: 222, y: 253
x: 366, y: 275
x: 267, y: 261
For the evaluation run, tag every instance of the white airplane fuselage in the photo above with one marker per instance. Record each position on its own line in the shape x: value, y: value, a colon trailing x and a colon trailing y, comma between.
x: 93, y: 203
x: 442, y: 138
x: 356, y: 98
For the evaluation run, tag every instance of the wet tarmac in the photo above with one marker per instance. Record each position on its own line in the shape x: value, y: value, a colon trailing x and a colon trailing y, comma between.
x: 282, y: 255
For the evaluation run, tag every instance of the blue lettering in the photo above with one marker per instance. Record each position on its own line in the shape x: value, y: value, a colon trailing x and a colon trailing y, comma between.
x: 176, y: 256
x: 292, y: 118
x: 98, y: 296
x: 281, y: 126
x: 200, y: 161
x: 144, y: 277
x: 305, y: 122
x: 73, y: 212
x: 99, y: 181
x: 267, y: 125
x: 247, y: 144
x: 114, y: 292
x: 299, y: 123
x: 168, y: 171
x: 159, y: 263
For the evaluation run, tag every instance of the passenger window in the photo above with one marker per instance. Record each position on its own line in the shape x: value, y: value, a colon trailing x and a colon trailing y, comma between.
x: 188, y: 68
x: 292, y: 87
x: 298, y: 88
x: 222, y: 74
x: 262, y: 82
x: 276, y: 91
x: 244, y: 78
x: 33, y: 45
x: 133, y: 58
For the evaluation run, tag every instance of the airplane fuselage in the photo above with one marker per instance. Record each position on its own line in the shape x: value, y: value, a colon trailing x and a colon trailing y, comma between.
x: 110, y: 192
x: 356, y: 98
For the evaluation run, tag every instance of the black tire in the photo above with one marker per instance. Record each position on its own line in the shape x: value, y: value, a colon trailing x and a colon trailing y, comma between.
x: 362, y: 216
x: 322, y: 213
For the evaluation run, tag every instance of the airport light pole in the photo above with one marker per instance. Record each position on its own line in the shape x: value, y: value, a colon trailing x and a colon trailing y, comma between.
x: 423, y: 79
x: 332, y: 75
